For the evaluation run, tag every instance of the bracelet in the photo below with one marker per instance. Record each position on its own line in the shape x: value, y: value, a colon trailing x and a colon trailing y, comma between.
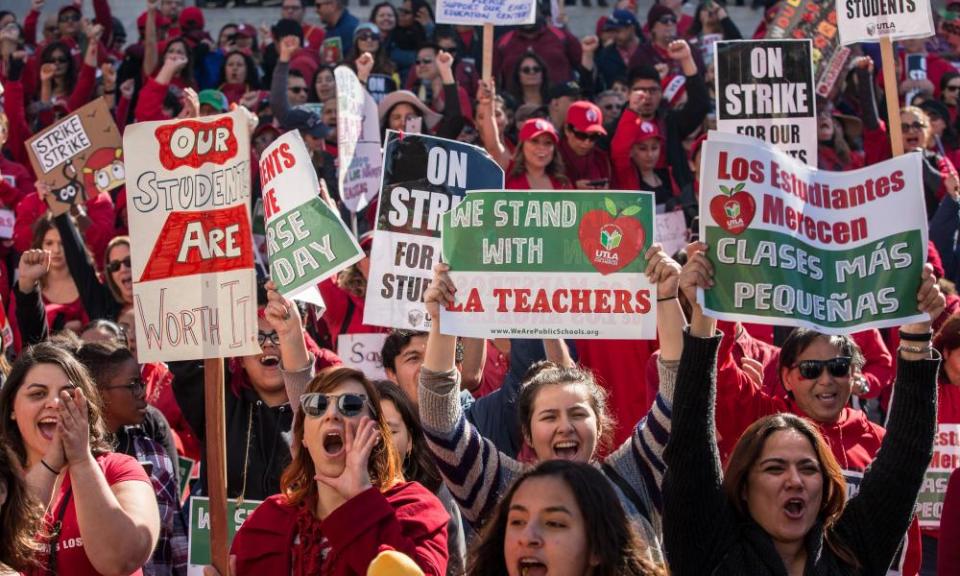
x: 666, y: 298
x: 50, y: 468
x: 913, y: 337
x: 916, y: 349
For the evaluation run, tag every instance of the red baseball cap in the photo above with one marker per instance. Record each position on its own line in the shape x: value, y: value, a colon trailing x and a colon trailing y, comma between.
x: 537, y: 126
x: 648, y: 130
x: 191, y: 18
x: 247, y: 30
x: 586, y: 117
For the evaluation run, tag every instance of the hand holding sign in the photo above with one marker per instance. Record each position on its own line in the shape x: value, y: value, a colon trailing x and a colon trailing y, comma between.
x: 929, y: 299
x: 282, y: 314
x: 441, y: 290
x: 663, y: 271
x: 696, y: 273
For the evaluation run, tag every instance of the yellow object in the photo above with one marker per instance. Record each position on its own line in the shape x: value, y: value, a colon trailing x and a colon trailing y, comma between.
x: 393, y: 563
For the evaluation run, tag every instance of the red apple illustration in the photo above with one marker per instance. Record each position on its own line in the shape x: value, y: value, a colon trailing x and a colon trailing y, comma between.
x: 733, y: 209
x: 610, y: 239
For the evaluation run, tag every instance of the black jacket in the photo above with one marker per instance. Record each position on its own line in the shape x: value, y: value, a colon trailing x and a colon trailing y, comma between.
x: 255, y: 432
x: 704, y: 534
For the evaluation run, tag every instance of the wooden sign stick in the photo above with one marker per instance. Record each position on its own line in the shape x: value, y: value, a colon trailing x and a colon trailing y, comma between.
x: 487, y: 52
x: 216, y: 462
x: 892, y: 93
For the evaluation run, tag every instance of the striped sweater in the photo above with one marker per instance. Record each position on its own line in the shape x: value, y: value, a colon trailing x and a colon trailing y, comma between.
x: 478, y: 475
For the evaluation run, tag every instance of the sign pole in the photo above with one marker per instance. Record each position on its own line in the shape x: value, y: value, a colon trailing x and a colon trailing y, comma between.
x: 216, y: 461
x: 892, y: 92
x: 487, y: 52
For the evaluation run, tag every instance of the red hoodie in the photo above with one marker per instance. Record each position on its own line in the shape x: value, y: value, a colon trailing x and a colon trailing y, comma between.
x: 406, y: 518
x: 853, y: 439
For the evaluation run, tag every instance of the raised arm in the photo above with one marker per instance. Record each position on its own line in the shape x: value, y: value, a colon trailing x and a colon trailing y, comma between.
x: 487, y: 124
x: 151, y: 55
x: 96, y: 297
x: 295, y: 361
x: 278, y: 86
x: 451, y: 124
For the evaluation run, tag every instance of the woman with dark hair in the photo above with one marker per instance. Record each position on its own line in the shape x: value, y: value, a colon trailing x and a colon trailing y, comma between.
x: 561, y: 517
x: 779, y: 509
x: 238, y: 75
x: 399, y: 108
x: 833, y: 150
x: 19, y: 518
x: 530, y: 81
x: 324, y: 84
x: 52, y: 417
x: 711, y: 18
x: 343, y: 497
x: 950, y: 93
x: 563, y: 415
x: 63, y: 88
x: 418, y: 465
x: 367, y: 39
x: 383, y: 15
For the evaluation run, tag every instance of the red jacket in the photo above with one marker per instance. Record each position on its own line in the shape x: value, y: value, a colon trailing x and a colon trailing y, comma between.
x: 16, y: 182
x: 593, y: 166
x: 948, y: 557
x: 406, y: 518
x: 344, y: 314
x: 557, y: 47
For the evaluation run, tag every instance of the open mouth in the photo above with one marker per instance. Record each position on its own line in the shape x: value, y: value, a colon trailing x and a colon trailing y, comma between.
x: 912, y: 142
x: 532, y: 567
x: 269, y: 360
x: 333, y: 443
x: 794, y: 508
x: 566, y: 450
x: 47, y: 428
x: 830, y: 398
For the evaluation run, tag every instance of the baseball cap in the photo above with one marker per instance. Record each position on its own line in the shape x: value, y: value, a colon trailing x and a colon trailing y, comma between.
x: 569, y: 88
x: 305, y: 121
x: 658, y: 11
x: 620, y: 19
x: 191, y: 18
x: 369, y: 27
x: 160, y: 19
x: 214, y: 99
x: 535, y: 127
x: 247, y: 30
x: 586, y: 117
x: 647, y: 130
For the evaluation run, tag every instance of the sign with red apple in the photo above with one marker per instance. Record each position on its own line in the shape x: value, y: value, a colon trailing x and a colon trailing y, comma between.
x: 733, y: 209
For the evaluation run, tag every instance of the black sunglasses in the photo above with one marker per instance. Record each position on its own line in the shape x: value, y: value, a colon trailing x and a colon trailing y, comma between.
x: 951, y: 88
x: 668, y: 20
x: 367, y: 37
x: 115, y: 265
x: 582, y: 135
x: 69, y: 17
x: 297, y: 89
x: 315, y: 404
x: 812, y: 369
x: 423, y: 62
x: 530, y: 69
x: 916, y: 126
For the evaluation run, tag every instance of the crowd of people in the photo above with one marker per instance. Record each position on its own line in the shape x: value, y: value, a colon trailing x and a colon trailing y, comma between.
x: 717, y: 448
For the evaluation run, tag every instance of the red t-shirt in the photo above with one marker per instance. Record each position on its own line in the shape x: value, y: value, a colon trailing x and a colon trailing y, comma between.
x: 71, y: 558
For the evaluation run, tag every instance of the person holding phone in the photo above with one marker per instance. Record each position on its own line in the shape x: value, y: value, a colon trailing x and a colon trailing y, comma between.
x: 587, y: 166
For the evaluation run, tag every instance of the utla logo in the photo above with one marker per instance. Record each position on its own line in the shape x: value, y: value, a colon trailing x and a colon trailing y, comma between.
x: 611, y: 238
x: 733, y: 209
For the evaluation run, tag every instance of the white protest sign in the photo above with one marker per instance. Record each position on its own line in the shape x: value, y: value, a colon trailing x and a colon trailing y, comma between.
x: 362, y: 351
x: 7, y: 220
x: 671, y: 231
x: 358, y: 141
x: 306, y: 240
x: 870, y: 20
x: 496, y: 12
x: 188, y: 190
x: 765, y: 89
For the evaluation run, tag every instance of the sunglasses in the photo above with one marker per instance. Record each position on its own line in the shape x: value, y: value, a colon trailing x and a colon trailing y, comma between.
x: 273, y: 337
x: 530, y: 69
x: 582, y: 135
x: 297, y: 89
x: 315, y: 404
x: 424, y: 62
x: 667, y: 20
x: 367, y: 37
x: 951, y: 88
x: 69, y: 17
x: 812, y: 369
x: 915, y: 126
x: 137, y: 387
x: 57, y: 60
x: 115, y: 265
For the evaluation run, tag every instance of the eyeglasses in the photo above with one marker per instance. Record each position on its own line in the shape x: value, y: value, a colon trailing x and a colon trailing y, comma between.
x: 667, y: 20
x: 530, y: 69
x: 297, y: 89
x: 273, y: 337
x: 57, y: 60
x: 424, y: 62
x: 915, y: 126
x: 315, y: 404
x: 137, y: 387
x: 812, y: 369
x: 367, y: 37
x: 69, y: 17
x: 582, y: 135
x: 115, y: 265
x: 951, y: 88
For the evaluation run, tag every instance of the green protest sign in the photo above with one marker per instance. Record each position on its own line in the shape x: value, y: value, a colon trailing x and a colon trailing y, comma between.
x: 550, y: 264
x: 184, y: 470
x: 791, y: 245
x: 199, y: 545
x: 306, y: 240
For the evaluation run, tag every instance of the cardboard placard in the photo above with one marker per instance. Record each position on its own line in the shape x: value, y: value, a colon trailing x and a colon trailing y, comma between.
x: 358, y: 141
x: 198, y: 554
x: 870, y: 20
x: 79, y: 156
x: 362, y: 351
x: 194, y: 284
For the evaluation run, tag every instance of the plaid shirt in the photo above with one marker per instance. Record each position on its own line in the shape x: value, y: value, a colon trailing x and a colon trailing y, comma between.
x: 170, y: 555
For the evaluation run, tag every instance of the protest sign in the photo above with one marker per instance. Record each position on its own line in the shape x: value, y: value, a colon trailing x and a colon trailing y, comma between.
x: 185, y: 472
x: 946, y: 459
x: 423, y: 177
x: 306, y: 240
x: 871, y: 20
x: 379, y: 85
x: 362, y: 351
x: 833, y: 251
x: 8, y: 220
x: 358, y: 141
x: 765, y: 89
x: 671, y: 231
x: 816, y: 20
x: 199, y: 536
x: 194, y: 287
x: 496, y: 12
x: 79, y: 156
x: 550, y: 264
